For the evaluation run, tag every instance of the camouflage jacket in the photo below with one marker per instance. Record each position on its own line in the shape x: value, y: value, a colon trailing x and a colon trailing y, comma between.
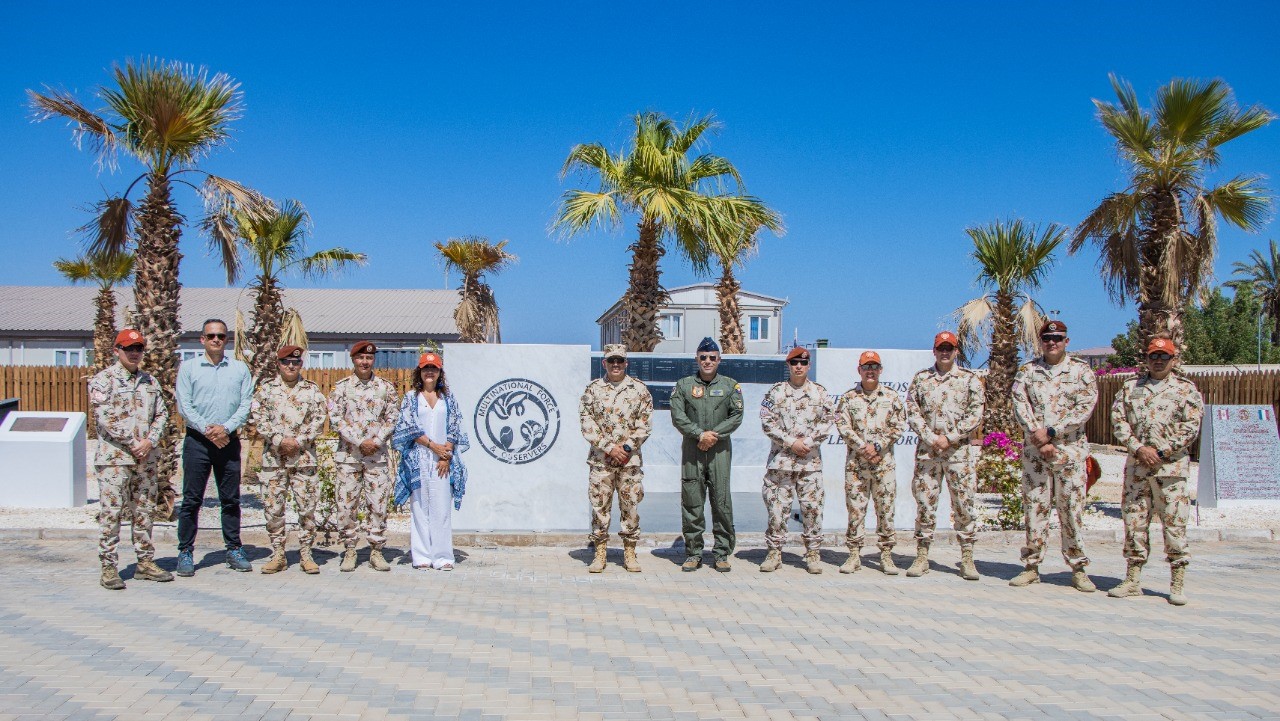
x: 944, y: 404
x: 789, y: 414
x: 1060, y: 397
x: 614, y: 416
x: 878, y: 418
x: 128, y: 408
x: 1164, y: 415
x: 359, y: 410
x: 280, y: 412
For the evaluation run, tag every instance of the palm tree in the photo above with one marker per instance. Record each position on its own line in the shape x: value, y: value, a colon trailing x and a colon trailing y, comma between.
x: 276, y: 243
x: 477, y: 312
x: 1262, y: 275
x: 677, y: 198
x: 730, y: 251
x: 107, y: 271
x: 1013, y: 260
x: 168, y: 116
x: 1157, y: 237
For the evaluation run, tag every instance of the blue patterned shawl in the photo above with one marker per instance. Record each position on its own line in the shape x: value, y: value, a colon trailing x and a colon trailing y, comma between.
x: 407, y: 432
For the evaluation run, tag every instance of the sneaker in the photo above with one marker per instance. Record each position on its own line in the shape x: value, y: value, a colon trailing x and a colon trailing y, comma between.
x: 237, y: 561
x: 186, y: 564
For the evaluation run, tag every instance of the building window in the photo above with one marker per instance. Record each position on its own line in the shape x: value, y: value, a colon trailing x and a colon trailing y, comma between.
x: 186, y: 355
x: 67, y: 358
x: 670, y: 326
x: 759, y: 328
x: 320, y: 359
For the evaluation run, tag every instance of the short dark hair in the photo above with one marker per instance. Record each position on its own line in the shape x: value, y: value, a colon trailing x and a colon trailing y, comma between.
x: 219, y: 321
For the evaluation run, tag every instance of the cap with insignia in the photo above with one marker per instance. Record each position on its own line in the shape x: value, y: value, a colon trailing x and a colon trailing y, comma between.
x: 708, y: 344
x: 289, y: 351
x: 1053, y: 326
x: 128, y: 337
x: 615, y: 350
x: 798, y: 352
x: 430, y: 359
x: 946, y: 337
x: 364, y: 346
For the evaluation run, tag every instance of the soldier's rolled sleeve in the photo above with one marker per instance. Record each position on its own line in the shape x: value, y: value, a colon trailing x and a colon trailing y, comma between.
x: 242, y: 411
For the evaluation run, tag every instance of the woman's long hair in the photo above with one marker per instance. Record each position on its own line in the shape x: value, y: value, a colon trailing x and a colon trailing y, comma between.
x: 441, y: 387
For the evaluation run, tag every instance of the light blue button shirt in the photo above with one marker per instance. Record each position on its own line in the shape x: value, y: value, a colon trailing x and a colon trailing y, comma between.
x: 210, y: 395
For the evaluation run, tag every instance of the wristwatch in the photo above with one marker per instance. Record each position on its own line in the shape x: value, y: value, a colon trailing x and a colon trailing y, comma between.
x: 1052, y: 433
x: 626, y: 447
x: 1160, y: 453
x: 876, y: 446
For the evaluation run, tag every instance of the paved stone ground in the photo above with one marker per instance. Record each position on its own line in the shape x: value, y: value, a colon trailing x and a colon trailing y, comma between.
x: 526, y: 633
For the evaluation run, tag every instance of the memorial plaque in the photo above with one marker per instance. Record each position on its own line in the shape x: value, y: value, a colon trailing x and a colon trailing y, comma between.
x: 1240, y: 458
x: 38, y: 425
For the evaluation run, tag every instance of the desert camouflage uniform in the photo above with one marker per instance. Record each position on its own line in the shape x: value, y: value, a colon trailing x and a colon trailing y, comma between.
x: 279, y: 412
x: 789, y: 414
x: 359, y: 410
x: 1060, y: 397
x: 128, y: 408
x: 950, y: 405
x: 878, y: 418
x: 1164, y: 415
x: 613, y: 416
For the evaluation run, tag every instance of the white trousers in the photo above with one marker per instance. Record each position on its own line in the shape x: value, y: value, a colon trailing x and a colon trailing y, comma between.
x: 431, y: 532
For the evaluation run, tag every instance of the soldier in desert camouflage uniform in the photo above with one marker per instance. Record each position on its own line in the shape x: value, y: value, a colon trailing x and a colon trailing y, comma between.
x: 1157, y: 417
x: 870, y: 419
x: 796, y: 415
x: 616, y: 413
x: 1053, y: 398
x: 944, y: 405
x: 363, y: 409
x: 131, y: 416
x: 289, y: 412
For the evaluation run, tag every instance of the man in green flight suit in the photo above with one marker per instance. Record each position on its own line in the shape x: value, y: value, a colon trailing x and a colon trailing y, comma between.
x: 706, y: 408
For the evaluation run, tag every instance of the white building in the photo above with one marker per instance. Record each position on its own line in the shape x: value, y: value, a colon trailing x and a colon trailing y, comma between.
x: 694, y: 313
x: 53, y: 325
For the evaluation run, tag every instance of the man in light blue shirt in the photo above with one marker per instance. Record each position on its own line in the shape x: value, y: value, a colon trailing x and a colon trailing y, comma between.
x: 214, y: 393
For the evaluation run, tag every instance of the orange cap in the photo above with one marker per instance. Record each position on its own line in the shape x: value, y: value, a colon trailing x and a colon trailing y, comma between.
x: 869, y: 356
x: 797, y: 352
x: 430, y: 359
x: 946, y: 336
x: 1162, y: 344
x: 128, y: 337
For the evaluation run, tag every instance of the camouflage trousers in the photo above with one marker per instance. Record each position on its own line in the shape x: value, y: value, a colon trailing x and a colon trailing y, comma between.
x: 602, y: 482
x: 121, y: 490
x: 1047, y: 485
x: 863, y: 481
x: 363, y: 487
x: 1167, y: 496
x: 781, y: 488
x: 303, y: 484
x: 959, y: 471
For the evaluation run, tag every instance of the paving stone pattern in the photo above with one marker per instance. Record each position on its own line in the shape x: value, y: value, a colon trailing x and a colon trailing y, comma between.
x: 526, y: 633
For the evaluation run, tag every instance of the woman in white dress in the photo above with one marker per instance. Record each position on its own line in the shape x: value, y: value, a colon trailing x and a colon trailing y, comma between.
x: 431, y: 477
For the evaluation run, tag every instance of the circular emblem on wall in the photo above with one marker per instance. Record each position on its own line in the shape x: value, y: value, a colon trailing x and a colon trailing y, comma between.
x: 517, y: 421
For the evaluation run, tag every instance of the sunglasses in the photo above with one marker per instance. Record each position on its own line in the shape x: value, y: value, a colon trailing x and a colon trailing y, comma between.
x: 1052, y: 338
x: 1159, y: 356
x: 132, y: 348
x: 291, y: 362
x: 615, y: 360
x: 945, y: 348
x: 870, y: 366
x: 799, y: 361
x: 215, y: 336
x: 708, y: 357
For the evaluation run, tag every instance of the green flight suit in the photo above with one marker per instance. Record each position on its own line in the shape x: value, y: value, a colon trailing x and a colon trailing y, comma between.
x: 698, y: 406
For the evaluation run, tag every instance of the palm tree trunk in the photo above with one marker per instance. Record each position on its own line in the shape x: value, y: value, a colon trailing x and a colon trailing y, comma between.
x: 104, y: 330
x: 1274, y: 312
x: 1001, y: 367
x: 155, y: 291
x: 266, y: 329
x: 731, y: 340
x: 645, y: 295
x: 470, y: 313
x: 1157, y: 312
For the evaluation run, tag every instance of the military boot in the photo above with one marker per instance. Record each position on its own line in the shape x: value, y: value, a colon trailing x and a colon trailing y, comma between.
x: 306, y: 562
x: 1029, y: 575
x: 1081, y: 581
x: 1132, y: 584
x: 148, y: 570
x: 597, y: 565
x: 376, y: 561
x: 887, y: 565
x: 349, y: 560
x: 853, y: 562
x: 920, y: 566
x: 813, y: 562
x: 691, y: 564
x: 1176, y: 595
x: 968, y: 571
x: 629, y: 560
x: 772, y: 561
x: 111, y: 579
x: 276, y: 563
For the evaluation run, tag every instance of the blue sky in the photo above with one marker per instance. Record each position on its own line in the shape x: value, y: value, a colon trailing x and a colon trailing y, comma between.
x: 878, y: 133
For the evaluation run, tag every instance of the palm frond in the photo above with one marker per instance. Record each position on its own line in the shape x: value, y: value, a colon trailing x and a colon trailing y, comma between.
x: 688, y: 137
x: 1029, y: 319
x: 581, y: 209
x: 330, y: 262
x: 1114, y: 227
x: 86, y: 124
x: 1242, y: 201
x: 110, y: 232
x: 973, y: 325
x: 243, y: 352
x: 224, y: 199
x: 294, y: 333
x: 1014, y: 256
x: 103, y: 268
x: 474, y: 255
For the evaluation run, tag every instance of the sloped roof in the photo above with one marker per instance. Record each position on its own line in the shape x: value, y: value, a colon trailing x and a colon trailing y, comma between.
x: 704, y: 295
x: 323, y: 310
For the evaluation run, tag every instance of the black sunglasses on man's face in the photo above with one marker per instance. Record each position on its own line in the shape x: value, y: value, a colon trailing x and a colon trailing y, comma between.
x: 1159, y: 356
x: 799, y: 361
x: 708, y: 357
x: 1052, y: 338
x: 215, y: 336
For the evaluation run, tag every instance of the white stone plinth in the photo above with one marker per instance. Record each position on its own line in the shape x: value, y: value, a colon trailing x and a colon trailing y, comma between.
x: 42, y: 468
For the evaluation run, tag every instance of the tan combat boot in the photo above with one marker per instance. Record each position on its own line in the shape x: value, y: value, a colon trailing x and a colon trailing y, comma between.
x: 148, y: 570
x: 968, y: 571
x: 376, y: 561
x: 813, y: 562
x: 920, y: 566
x: 1132, y: 584
x: 629, y: 560
x: 887, y: 565
x: 1081, y: 581
x: 1029, y: 575
x: 772, y: 561
x: 853, y: 562
x: 1176, y: 595
x: 276, y: 563
x: 111, y: 579
x: 349, y: 560
x: 305, y: 561
x: 597, y: 565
